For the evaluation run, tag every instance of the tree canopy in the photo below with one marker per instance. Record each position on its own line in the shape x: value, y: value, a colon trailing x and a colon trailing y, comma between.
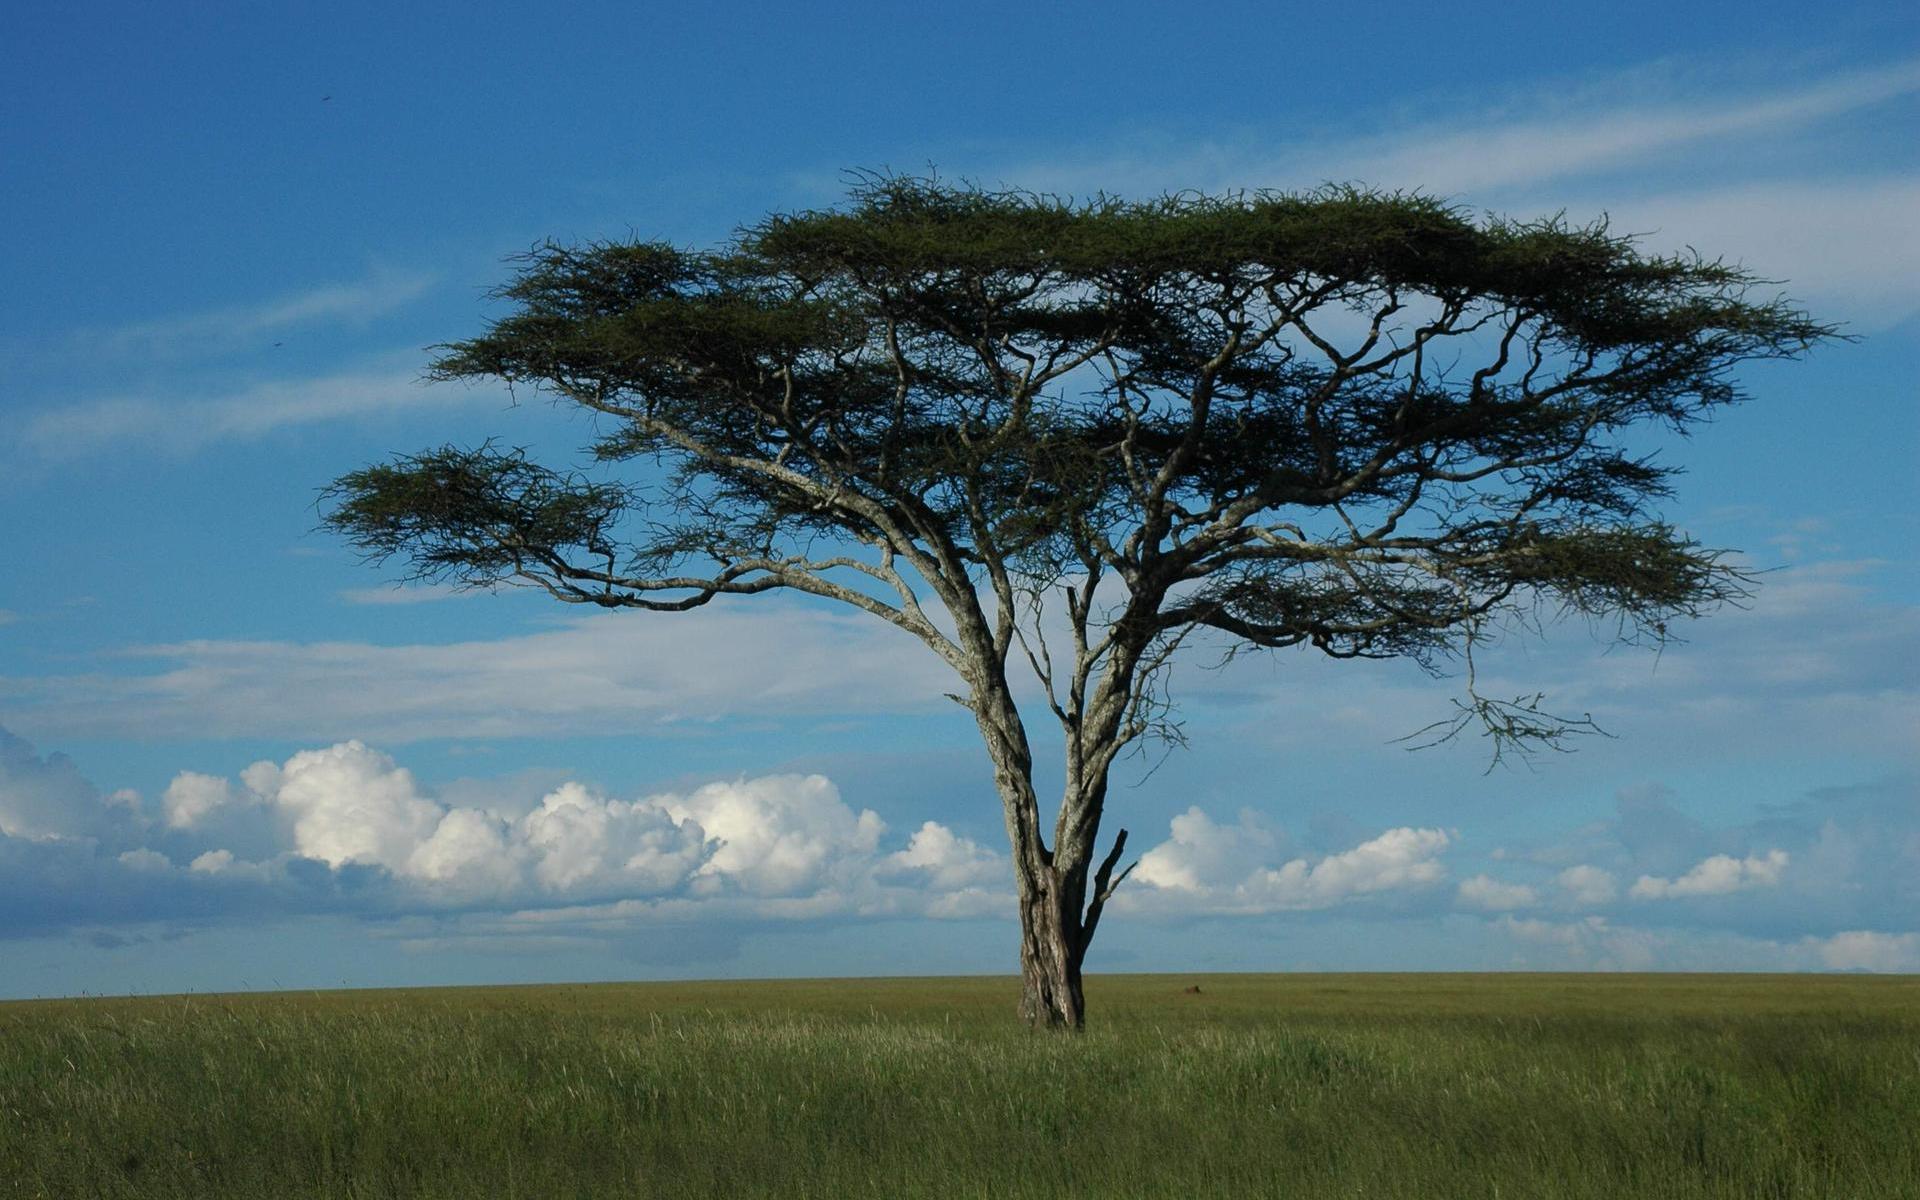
x: 1362, y: 422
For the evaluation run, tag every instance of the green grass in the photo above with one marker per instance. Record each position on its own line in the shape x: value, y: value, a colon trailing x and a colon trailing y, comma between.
x: 1358, y: 1085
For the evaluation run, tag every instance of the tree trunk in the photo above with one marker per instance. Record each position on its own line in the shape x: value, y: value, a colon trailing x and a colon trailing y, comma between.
x: 1051, y: 950
x: 1058, y: 913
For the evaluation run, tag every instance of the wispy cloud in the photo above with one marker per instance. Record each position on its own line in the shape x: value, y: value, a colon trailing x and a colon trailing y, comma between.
x: 1604, y: 126
x: 1487, y: 153
x: 1687, y: 167
x: 611, y: 673
x: 223, y: 330
x: 1849, y: 248
x: 1814, y: 661
x: 183, y: 424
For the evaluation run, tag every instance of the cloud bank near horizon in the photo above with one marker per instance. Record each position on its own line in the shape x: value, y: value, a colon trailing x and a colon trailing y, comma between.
x: 346, y: 830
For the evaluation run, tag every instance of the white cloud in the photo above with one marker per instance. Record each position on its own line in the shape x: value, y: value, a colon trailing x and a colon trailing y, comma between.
x: 1847, y: 248
x: 212, y: 862
x: 352, y: 804
x: 1200, y: 868
x: 611, y: 673
x: 779, y: 836
x: 47, y: 797
x: 1594, y: 943
x: 1398, y: 858
x: 579, y: 842
x: 781, y: 846
x: 1715, y: 876
x: 1865, y: 950
x: 1847, y: 245
x: 1485, y: 892
x: 1555, y: 130
x: 1201, y: 854
x: 947, y: 861
x: 1590, y: 943
x: 1586, y: 884
x: 468, y: 850
x: 181, y: 424
x: 1818, y: 659
x: 191, y: 796
x: 242, y: 327
x: 1615, y: 132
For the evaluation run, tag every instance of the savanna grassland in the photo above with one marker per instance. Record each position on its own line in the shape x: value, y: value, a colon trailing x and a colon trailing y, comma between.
x: 1294, y: 1085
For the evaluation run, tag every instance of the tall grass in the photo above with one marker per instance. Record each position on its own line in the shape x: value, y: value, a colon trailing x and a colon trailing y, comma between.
x: 1377, y: 1086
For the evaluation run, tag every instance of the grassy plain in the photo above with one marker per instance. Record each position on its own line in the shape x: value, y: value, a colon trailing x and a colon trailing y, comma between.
x: 1280, y: 1085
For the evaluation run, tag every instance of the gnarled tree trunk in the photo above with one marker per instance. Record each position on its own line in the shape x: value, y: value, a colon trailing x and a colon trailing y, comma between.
x: 1051, y: 951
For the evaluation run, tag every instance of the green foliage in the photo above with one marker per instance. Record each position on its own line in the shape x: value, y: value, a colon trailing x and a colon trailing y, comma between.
x: 476, y: 515
x: 1390, y: 1086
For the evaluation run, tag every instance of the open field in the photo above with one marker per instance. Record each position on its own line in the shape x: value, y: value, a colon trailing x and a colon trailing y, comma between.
x: 1280, y: 1085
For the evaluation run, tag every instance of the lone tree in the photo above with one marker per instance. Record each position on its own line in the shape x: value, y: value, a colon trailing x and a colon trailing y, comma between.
x: 1361, y: 422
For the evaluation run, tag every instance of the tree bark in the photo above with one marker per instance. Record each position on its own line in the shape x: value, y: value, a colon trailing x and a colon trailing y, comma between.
x: 1051, y: 951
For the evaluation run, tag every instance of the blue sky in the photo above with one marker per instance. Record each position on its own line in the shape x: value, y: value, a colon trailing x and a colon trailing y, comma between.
x: 237, y: 757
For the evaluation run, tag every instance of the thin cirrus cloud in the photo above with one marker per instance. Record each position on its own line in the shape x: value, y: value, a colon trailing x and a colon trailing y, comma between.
x: 1816, y: 657
x: 181, y: 425
x: 183, y: 417
x: 1857, y: 260
x: 607, y: 673
x: 241, y: 327
x: 1604, y: 127
x: 1485, y: 154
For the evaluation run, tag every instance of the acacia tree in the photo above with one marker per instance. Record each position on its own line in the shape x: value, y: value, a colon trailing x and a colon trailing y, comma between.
x: 1363, y: 423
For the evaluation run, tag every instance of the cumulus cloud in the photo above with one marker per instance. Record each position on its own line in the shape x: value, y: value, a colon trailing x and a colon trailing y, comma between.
x: 1715, y: 876
x: 1201, y: 853
x: 945, y: 859
x: 191, y: 796
x: 1587, y: 884
x: 961, y: 877
x: 1595, y: 943
x: 1591, y: 943
x: 1865, y: 950
x: 346, y: 826
x: 1485, y: 892
x: 779, y: 835
x: 349, y: 804
x: 145, y: 860
x: 578, y: 842
x: 45, y: 797
x: 1203, y: 867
